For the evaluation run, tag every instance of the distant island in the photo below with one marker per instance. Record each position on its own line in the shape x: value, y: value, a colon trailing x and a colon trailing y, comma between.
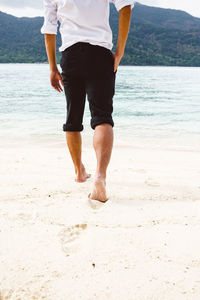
x: 157, y: 36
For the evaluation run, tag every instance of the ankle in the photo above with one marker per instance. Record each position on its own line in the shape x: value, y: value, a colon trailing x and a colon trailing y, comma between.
x: 100, y: 176
x: 79, y: 168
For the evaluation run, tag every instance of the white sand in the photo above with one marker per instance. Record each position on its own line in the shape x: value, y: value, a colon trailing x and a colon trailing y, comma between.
x: 143, y: 244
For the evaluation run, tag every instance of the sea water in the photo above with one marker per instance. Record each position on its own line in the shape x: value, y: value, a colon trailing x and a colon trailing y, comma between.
x: 150, y: 103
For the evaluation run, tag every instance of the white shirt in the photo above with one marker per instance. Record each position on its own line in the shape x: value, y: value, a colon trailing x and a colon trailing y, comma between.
x: 81, y: 20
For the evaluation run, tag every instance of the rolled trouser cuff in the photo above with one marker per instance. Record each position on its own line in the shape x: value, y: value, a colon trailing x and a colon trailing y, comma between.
x: 100, y: 120
x: 72, y: 127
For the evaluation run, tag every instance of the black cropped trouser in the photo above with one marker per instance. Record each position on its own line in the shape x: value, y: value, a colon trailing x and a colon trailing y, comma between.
x: 88, y: 70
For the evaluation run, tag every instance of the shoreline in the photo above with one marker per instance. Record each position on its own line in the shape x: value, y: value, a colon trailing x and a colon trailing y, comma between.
x: 187, y: 143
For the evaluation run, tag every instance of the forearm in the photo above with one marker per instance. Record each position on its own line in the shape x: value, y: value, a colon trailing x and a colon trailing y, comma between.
x: 50, y: 43
x: 124, y: 24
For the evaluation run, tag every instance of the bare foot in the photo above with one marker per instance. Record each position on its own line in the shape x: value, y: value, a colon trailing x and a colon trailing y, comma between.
x: 81, y: 175
x: 99, y: 190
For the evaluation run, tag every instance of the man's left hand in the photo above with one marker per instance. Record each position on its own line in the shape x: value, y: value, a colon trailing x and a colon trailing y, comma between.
x: 55, y: 79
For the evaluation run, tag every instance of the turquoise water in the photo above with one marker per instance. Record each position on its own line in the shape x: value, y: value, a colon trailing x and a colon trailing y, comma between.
x: 149, y: 102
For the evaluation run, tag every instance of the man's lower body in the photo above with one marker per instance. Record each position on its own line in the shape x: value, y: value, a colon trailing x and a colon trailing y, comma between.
x: 88, y: 70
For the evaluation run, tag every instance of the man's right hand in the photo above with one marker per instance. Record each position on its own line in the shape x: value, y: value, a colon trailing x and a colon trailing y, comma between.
x: 117, y: 59
x: 55, y: 79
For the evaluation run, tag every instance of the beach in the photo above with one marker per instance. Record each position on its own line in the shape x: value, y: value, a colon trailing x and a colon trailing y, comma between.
x: 141, y: 244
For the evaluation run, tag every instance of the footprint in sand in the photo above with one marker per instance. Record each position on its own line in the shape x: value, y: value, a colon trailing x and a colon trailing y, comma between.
x: 95, y: 204
x: 70, y: 236
x: 151, y: 182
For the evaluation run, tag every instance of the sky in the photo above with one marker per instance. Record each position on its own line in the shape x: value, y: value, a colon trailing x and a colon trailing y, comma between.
x: 33, y: 8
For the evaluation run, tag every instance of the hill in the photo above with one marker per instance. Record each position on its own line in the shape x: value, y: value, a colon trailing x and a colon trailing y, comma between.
x: 157, y: 36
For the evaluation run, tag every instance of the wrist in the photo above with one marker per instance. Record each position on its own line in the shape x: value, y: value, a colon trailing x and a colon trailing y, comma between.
x: 119, y: 53
x: 54, y: 68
